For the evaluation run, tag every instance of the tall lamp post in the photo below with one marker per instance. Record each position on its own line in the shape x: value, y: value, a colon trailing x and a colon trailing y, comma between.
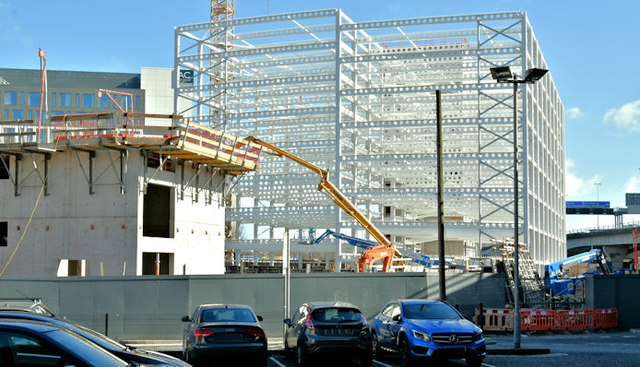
x: 597, y: 184
x: 502, y: 74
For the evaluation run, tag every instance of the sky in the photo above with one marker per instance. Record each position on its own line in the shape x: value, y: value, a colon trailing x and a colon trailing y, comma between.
x: 591, y: 48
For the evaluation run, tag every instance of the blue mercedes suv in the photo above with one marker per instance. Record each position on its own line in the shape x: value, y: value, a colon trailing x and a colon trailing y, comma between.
x: 422, y: 329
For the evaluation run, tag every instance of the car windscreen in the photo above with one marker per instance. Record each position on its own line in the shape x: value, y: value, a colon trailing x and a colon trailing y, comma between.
x: 430, y: 311
x: 336, y: 314
x: 85, y: 349
x: 100, y: 339
x: 227, y: 315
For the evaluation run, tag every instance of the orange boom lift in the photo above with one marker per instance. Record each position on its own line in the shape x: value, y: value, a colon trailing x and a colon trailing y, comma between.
x: 384, y: 250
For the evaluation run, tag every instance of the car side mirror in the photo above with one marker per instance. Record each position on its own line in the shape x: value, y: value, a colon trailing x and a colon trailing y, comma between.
x: 287, y: 322
x: 397, y: 318
x: 185, y: 319
x: 260, y: 318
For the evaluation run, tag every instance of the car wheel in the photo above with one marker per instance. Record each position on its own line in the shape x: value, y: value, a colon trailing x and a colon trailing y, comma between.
x: 288, y: 352
x: 406, y: 359
x: 375, y: 347
x: 301, y: 356
x: 474, y: 362
x: 366, y: 360
x: 190, y: 360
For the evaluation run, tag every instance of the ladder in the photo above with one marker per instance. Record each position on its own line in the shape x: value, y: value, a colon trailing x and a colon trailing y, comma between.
x: 530, y: 282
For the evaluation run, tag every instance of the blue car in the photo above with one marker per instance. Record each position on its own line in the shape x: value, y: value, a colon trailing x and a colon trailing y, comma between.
x: 425, y: 330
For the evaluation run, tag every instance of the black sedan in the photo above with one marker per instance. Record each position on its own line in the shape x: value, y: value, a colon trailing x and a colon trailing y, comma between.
x: 328, y: 329
x: 127, y: 353
x: 33, y: 343
x: 222, y: 331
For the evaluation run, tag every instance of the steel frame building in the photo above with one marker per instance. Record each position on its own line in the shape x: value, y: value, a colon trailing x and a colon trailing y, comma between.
x: 358, y: 98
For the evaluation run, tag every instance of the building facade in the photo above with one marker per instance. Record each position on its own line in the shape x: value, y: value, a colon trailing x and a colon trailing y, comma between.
x: 102, y: 208
x: 358, y: 98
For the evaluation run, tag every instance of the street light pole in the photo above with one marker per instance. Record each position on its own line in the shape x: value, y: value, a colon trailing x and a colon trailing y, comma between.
x: 597, y: 199
x: 516, y: 273
x: 502, y: 74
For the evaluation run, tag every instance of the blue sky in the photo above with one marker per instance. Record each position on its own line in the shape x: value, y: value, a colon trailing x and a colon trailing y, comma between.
x: 591, y: 48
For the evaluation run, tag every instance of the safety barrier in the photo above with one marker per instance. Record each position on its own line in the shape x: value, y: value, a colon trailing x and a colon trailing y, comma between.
x: 574, y: 320
x: 547, y: 320
x: 495, y: 319
x: 606, y: 318
x: 536, y: 320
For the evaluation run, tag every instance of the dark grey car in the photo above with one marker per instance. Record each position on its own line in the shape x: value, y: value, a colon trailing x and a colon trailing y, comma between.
x: 36, y: 311
x: 34, y: 343
x: 222, y: 331
x: 328, y: 329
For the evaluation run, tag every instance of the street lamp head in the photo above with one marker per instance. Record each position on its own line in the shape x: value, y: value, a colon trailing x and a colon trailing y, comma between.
x: 501, y: 73
x: 534, y: 74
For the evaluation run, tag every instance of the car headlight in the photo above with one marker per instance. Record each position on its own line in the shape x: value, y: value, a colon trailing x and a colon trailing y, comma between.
x: 478, y: 335
x: 420, y: 335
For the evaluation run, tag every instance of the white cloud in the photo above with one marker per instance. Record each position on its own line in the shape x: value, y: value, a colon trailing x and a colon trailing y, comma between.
x: 574, y: 113
x: 633, y: 184
x: 576, y: 187
x: 626, y: 117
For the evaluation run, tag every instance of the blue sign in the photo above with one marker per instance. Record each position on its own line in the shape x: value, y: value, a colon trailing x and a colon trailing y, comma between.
x: 589, y: 204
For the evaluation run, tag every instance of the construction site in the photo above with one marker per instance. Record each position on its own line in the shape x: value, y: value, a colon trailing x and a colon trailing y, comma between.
x: 366, y: 160
x: 358, y: 100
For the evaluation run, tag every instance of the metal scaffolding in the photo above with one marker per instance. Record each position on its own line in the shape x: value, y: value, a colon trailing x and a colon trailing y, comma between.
x: 358, y: 98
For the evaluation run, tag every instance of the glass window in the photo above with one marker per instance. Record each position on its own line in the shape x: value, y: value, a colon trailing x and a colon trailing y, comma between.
x: 227, y: 315
x: 57, y: 113
x: 30, y: 352
x: 34, y: 99
x: 395, y: 311
x: 77, y: 100
x: 65, y: 99
x: 30, y: 114
x: 137, y: 103
x: 53, y: 99
x: 430, y: 311
x: 336, y: 314
x: 21, y: 97
x: 87, y: 100
x: 6, y: 115
x: 11, y: 98
x: 18, y: 114
x: 104, y: 101
x: 387, y: 310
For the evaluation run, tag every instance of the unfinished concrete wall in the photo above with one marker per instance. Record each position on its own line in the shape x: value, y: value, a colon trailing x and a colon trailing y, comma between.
x: 84, y: 216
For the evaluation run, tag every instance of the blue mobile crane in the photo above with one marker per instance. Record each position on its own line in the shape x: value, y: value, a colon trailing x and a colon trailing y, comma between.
x: 559, y: 282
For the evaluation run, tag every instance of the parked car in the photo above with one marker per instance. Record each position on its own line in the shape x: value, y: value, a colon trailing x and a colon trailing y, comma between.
x: 421, y: 329
x: 330, y: 329
x: 33, y: 343
x: 130, y: 354
x: 34, y: 305
x: 219, y: 331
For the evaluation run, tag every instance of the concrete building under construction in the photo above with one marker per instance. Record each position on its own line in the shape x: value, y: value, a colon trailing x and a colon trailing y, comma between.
x: 358, y: 98
x: 97, y: 187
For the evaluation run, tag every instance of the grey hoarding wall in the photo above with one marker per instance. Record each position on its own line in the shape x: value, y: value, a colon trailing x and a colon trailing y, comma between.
x: 616, y: 291
x: 150, y: 308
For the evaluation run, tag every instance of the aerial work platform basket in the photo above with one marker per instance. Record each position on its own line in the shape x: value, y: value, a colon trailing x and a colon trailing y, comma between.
x: 166, y: 135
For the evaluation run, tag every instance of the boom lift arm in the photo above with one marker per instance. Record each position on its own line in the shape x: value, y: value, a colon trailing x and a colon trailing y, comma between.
x: 384, y: 250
